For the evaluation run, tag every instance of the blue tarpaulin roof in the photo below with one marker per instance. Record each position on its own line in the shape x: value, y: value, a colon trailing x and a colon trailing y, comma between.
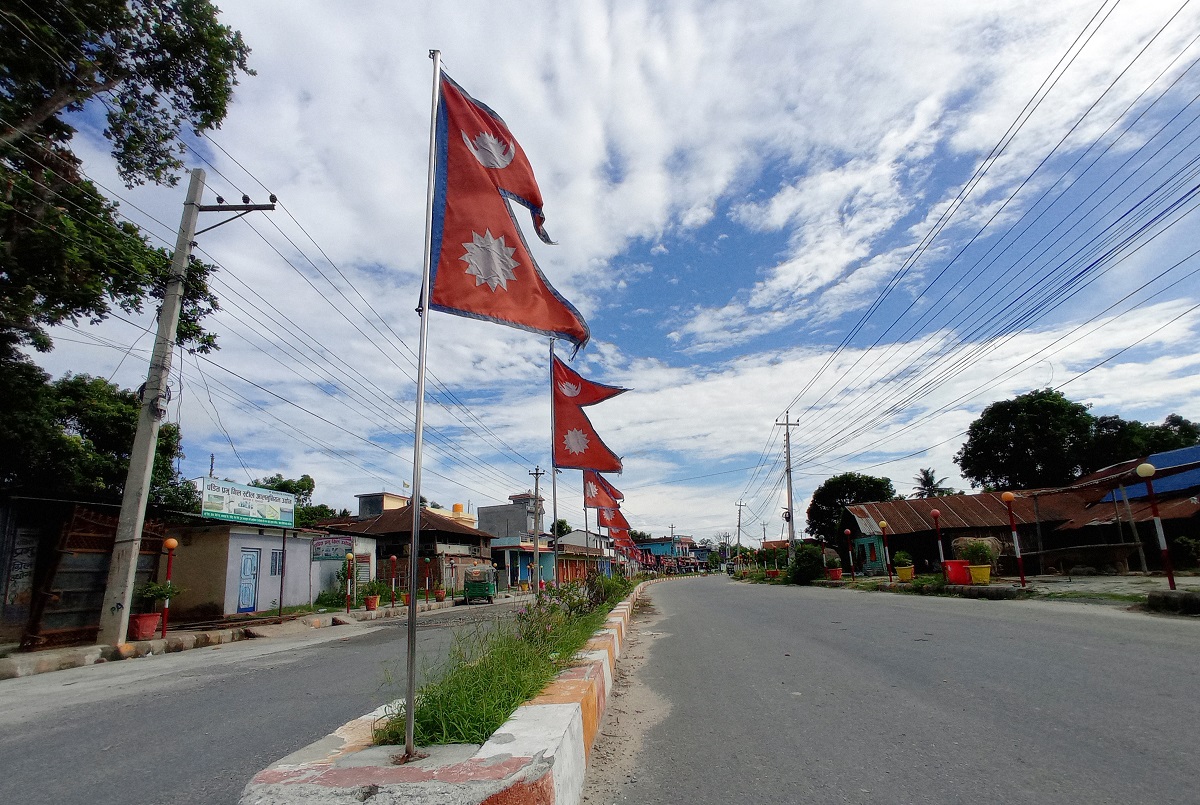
x: 1163, y: 483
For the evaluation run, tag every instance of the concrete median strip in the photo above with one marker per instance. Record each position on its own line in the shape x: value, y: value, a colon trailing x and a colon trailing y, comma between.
x: 538, y: 756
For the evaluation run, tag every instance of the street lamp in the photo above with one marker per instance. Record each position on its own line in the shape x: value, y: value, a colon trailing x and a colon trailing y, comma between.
x: 937, y: 530
x: 1008, y: 498
x: 1146, y: 470
x: 349, y: 579
x: 850, y: 550
x: 170, y: 544
x: 887, y: 557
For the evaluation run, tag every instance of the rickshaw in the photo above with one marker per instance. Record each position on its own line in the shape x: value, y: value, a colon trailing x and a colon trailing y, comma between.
x: 479, y: 582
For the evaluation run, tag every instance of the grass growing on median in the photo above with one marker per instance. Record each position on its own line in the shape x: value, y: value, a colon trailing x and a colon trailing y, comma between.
x: 488, y: 675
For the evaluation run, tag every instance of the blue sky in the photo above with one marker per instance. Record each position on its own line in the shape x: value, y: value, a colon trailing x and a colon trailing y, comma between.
x: 732, y: 187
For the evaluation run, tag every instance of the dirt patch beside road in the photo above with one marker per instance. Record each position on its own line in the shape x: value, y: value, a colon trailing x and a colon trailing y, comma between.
x: 633, y: 708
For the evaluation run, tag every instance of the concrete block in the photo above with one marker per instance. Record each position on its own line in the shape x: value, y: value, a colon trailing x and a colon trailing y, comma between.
x: 181, y: 642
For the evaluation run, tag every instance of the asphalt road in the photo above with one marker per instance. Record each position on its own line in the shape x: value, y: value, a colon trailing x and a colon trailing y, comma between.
x: 786, y: 694
x: 194, y: 727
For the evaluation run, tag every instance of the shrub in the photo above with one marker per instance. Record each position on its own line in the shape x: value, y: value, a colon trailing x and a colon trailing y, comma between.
x: 1189, y: 550
x: 807, y: 566
x: 834, y: 561
x: 978, y: 553
x: 902, y: 559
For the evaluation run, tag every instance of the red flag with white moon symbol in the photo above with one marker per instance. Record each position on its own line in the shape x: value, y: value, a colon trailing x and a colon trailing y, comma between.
x: 572, y: 387
x: 480, y: 264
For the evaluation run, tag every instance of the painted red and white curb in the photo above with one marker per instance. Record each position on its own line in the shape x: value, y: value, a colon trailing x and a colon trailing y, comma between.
x: 539, y: 756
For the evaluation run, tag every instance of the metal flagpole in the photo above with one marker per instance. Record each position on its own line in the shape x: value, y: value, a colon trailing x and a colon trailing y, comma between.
x: 585, y: 535
x: 410, y: 749
x: 553, y: 471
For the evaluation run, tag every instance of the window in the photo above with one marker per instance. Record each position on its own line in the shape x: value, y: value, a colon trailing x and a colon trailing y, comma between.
x: 276, y: 563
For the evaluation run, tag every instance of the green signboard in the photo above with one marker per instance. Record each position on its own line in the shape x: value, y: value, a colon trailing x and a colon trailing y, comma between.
x: 225, y: 500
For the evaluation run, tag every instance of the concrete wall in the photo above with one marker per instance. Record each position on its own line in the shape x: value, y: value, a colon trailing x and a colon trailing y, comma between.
x: 199, y: 568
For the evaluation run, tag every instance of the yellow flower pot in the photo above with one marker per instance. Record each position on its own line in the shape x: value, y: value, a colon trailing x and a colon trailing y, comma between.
x: 905, y: 573
x: 980, y: 574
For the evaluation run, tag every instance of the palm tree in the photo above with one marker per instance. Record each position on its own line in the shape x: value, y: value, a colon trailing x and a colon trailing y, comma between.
x: 928, y: 485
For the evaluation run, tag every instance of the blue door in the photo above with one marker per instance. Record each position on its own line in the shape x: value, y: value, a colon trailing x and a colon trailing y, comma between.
x: 248, y: 581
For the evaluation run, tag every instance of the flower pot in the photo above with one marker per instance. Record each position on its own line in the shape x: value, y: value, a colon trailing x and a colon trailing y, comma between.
x: 905, y: 573
x: 980, y: 574
x: 143, y: 627
x: 956, y: 571
x: 439, y: 595
x: 833, y: 573
x: 371, y: 602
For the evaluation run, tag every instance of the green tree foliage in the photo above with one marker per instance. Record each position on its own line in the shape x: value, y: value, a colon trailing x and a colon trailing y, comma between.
x: 827, y: 516
x: 561, y: 528
x: 308, y: 514
x: 159, y: 66
x: 636, y: 535
x: 714, y: 560
x: 808, y: 565
x: 1043, y: 439
x: 71, y: 438
x: 1036, y: 439
x: 928, y: 485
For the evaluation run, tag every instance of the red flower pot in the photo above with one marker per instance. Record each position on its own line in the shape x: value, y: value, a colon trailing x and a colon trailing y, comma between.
x: 833, y: 573
x: 143, y: 627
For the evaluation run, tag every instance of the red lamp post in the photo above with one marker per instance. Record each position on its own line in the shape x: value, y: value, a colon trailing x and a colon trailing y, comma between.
x: 392, y: 563
x: 850, y: 551
x: 1146, y: 471
x: 937, y: 530
x: 887, y: 557
x: 349, y: 581
x: 170, y: 544
x: 1008, y: 498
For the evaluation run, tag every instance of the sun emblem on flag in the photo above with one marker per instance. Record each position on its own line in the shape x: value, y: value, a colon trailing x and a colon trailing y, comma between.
x: 592, y: 489
x: 489, y: 260
x: 569, y: 389
x: 576, y: 441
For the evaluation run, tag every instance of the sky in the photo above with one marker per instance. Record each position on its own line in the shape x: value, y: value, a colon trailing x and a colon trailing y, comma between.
x: 869, y: 219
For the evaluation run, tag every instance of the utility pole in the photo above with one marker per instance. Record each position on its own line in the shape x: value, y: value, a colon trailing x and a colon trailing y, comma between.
x: 122, y: 568
x: 740, y: 504
x: 791, y: 514
x: 537, y: 474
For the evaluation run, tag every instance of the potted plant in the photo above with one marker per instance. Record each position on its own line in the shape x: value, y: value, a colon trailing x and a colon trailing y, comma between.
x: 903, y: 563
x: 833, y: 568
x: 439, y: 592
x: 144, y: 621
x: 980, y: 556
x: 371, y: 591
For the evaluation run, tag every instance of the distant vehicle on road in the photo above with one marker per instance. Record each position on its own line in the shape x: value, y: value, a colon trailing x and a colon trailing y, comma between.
x: 480, y: 583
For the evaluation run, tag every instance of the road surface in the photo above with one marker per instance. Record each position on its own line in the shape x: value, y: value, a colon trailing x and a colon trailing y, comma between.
x: 772, y: 694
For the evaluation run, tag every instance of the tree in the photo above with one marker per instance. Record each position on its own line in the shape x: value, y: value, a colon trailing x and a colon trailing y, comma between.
x: 302, y: 487
x: 928, y: 485
x: 158, y: 66
x: 71, y: 438
x: 638, y: 536
x: 308, y: 514
x: 827, y: 514
x: 562, y: 527
x: 1035, y: 440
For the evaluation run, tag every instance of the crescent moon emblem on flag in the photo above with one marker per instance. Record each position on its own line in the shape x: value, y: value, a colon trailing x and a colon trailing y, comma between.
x: 569, y: 389
x: 491, y: 151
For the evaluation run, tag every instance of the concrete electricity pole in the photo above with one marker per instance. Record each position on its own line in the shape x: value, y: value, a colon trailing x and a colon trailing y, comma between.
x: 537, y: 474
x: 114, y: 616
x: 791, y: 514
x: 740, y: 504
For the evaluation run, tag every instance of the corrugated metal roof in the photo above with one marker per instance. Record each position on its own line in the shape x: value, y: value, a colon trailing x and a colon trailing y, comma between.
x: 985, y: 510
x: 399, y: 521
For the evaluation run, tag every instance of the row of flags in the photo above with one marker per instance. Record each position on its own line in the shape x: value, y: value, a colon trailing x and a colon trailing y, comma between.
x: 480, y: 266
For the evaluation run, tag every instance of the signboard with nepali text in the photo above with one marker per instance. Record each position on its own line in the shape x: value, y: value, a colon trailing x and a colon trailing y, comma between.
x: 332, y: 548
x: 225, y: 500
